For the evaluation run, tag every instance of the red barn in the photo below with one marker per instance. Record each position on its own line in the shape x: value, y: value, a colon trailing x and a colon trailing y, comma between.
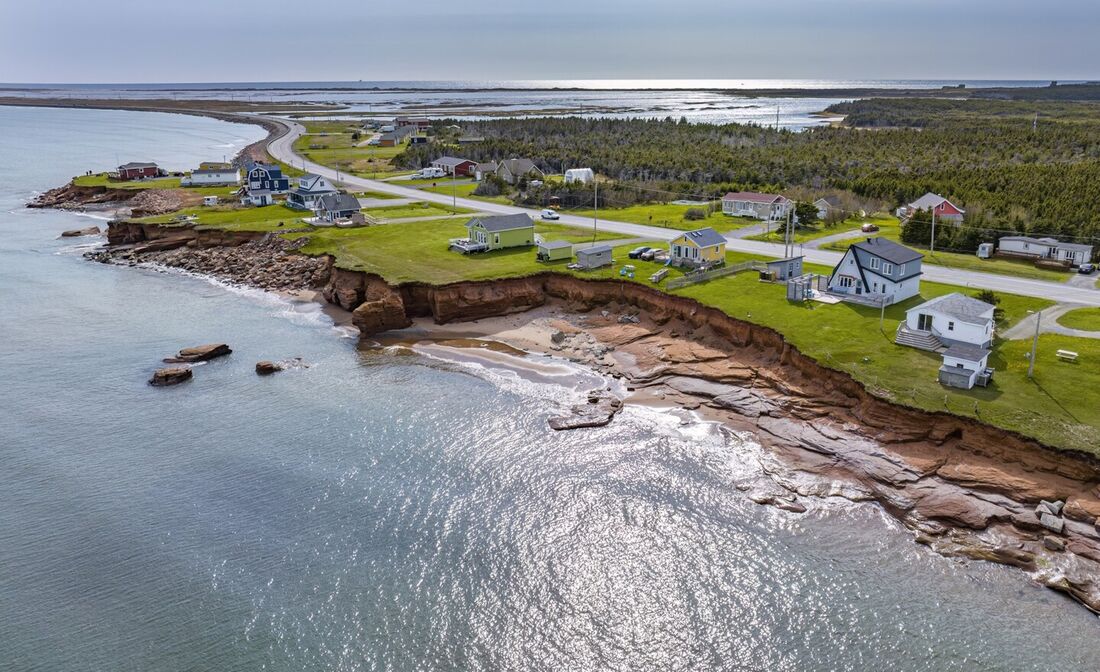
x: 136, y: 170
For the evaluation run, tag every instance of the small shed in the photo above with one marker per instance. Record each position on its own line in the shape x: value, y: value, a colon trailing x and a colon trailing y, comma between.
x: 209, y: 200
x: 785, y: 269
x: 554, y: 250
x: 594, y: 257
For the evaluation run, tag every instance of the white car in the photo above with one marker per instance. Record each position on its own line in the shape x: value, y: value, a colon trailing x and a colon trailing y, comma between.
x: 550, y: 214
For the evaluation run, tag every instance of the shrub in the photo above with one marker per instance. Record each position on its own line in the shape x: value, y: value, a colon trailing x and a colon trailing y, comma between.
x: 695, y: 214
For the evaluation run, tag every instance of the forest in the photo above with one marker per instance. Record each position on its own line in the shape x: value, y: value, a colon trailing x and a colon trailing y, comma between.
x: 1019, y: 166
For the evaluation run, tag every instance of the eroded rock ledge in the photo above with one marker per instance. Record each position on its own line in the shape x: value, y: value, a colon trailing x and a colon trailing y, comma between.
x: 967, y: 489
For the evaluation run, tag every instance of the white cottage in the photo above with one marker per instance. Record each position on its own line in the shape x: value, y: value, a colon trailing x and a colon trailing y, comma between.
x: 308, y: 193
x: 879, y: 269
x: 965, y: 366
x: 951, y: 319
x: 1074, y: 254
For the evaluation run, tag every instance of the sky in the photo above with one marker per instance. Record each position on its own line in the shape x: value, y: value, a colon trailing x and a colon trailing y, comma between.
x: 114, y: 41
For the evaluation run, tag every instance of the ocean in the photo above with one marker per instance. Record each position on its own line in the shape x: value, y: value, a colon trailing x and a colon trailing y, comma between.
x: 700, y: 101
x: 383, y: 510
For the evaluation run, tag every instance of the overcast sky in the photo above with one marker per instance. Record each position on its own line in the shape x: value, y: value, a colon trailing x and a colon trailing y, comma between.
x: 334, y: 40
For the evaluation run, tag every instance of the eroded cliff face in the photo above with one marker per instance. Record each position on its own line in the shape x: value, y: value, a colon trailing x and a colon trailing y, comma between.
x: 158, y: 237
x: 140, y: 202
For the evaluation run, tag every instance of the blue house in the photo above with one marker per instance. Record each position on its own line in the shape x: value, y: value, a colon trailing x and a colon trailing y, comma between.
x: 264, y: 176
x: 878, y: 269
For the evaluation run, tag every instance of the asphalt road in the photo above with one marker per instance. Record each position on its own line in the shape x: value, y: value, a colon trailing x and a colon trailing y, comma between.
x: 282, y: 149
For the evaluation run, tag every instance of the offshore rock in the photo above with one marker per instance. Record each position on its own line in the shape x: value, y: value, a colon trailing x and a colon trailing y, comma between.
x: 170, y: 376
x: 77, y: 233
x: 199, y: 353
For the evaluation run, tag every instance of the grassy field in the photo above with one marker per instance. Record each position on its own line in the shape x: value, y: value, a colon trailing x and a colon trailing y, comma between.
x: 415, y: 210
x: 664, y: 215
x: 101, y: 180
x: 1061, y: 406
x: 1085, y: 319
x: 467, y: 191
x: 267, y: 218
x: 338, y: 150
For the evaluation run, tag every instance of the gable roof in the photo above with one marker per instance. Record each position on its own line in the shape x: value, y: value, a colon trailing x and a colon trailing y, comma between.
x: 930, y: 201
x: 502, y: 222
x: 338, y: 202
x: 312, y: 183
x: 487, y: 167
x: 704, y: 237
x: 555, y: 244
x: 271, y: 170
x: 966, y: 352
x: 518, y: 166
x: 829, y: 201
x: 137, y: 164
x: 215, y: 171
x: 451, y: 161
x: 959, y: 306
x: 753, y: 197
x: 888, y: 250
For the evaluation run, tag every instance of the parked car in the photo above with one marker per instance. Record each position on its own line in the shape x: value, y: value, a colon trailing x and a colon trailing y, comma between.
x: 868, y: 227
x: 638, y: 251
x: 550, y: 214
x: 1087, y: 269
x: 649, y: 254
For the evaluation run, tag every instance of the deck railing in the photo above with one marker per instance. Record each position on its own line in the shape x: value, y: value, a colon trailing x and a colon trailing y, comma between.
x: 694, y: 277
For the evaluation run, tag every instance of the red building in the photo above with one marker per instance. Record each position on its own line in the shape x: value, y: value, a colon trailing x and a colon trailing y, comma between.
x: 136, y: 170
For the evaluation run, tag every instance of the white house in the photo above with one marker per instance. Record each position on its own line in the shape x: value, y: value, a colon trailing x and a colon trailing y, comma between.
x: 945, y: 210
x: 582, y: 175
x: 755, y: 205
x: 206, y: 177
x: 1074, y: 254
x: 965, y: 366
x: 258, y: 197
x: 879, y: 269
x: 951, y: 319
x: 484, y: 170
x: 310, y: 189
x: 826, y: 205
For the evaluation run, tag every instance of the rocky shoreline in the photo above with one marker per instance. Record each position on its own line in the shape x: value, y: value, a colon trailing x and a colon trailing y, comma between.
x: 965, y: 489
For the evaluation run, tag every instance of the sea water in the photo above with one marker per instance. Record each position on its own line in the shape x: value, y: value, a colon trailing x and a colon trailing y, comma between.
x: 381, y: 510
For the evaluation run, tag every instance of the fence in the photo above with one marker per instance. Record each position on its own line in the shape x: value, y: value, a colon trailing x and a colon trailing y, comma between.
x: 703, y: 276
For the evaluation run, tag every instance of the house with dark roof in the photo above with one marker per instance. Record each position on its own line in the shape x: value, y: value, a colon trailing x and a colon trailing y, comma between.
x: 944, y: 210
x: 826, y: 205
x: 965, y: 366
x: 138, y: 170
x: 452, y: 165
x: 396, y: 136
x: 948, y: 320
x: 878, y: 269
x: 697, y: 248
x: 756, y: 205
x: 512, y: 170
x: 310, y: 188
x: 332, y: 207
x: 484, y: 170
x: 496, y: 233
x: 264, y: 176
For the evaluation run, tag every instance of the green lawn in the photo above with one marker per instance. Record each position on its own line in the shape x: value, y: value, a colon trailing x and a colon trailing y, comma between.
x: 267, y: 218
x: 467, y: 191
x: 100, y: 180
x: 415, y: 210
x: 571, y: 233
x: 338, y: 150
x: 888, y: 228
x: 1085, y: 319
x: 664, y: 215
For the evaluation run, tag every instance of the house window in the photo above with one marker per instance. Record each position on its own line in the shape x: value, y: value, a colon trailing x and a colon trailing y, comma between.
x: 951, y: 326
x: 887, y: 268
x: 901, y: 269
x: 496, y: 239
x: 874, y: 263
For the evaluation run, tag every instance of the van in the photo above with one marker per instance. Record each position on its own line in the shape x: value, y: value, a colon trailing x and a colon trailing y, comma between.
x: 429, y: 173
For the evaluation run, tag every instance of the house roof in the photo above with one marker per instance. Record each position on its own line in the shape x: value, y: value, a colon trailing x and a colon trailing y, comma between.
x: 518, y: 166
x: 595, y: 249
x: 487, y: 167
x: 959, y: 306
x: 830, y: 201
x: 753, y: 197
x: 555, y: 244
x: 452, y: 161
x: 1051, y: 242
x: 704, y: 237
x: 213, y: 171
x: 502, y: 222
x: 338, y: 202
x: 930, y: 200
x: 312, y: 184
x: 888, y: 250
x: 966, y: 352
x: 780, y: 262
x: 138, y: 164
x: 274, y: 171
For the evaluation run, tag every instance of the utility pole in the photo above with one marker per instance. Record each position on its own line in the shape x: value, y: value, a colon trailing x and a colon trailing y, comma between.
x: 454, y: 189
x: 932, y: 243
x: 595, y: 206
x: 1034, y: 344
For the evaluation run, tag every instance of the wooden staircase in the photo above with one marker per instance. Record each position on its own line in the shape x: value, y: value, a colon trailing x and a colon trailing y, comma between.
x: 914, y: 338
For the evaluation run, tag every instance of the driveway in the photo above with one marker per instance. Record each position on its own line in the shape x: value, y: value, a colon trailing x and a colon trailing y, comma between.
x: 1025, y: 328
x: 281, y: 147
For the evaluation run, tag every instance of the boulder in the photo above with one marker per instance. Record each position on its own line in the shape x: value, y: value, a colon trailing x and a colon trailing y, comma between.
x: 199, y: 353
x: 76, y: 233
x: 266, y: 368
x: 1054, y: 544
x: 1052, y: 523
x: 557, y: 337
x: 1053, y: 507
x: 170, y: 376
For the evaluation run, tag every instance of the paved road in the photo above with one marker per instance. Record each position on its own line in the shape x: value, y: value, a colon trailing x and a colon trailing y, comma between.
x: 282, y: 149
x: 1025, y: 328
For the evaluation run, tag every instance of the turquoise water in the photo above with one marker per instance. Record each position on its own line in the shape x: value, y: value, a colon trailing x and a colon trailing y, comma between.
x: 385, y: 511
